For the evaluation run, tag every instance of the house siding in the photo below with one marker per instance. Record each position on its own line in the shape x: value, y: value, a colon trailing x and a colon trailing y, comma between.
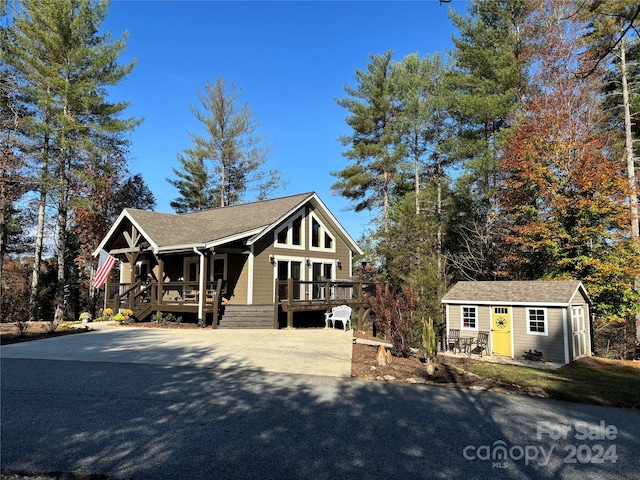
x: 551, y: 345
x: 263, y: 271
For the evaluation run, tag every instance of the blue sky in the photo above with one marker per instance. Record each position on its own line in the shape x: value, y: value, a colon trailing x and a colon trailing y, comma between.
x: 291, y: 59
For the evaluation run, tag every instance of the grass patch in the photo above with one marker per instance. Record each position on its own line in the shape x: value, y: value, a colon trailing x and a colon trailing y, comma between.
x: 612, y: 383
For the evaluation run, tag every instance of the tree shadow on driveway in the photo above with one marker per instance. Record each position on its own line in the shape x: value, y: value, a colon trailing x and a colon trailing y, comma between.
x: 142, y: 421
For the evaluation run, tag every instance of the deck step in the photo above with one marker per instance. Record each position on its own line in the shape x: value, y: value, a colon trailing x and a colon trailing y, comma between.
x: 247, y: 316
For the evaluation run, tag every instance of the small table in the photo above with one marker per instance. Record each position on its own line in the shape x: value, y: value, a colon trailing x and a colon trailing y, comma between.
x: 465, y: 344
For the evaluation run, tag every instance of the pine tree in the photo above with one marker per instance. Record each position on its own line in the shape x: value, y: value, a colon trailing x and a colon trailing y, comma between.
x: 15, y: 179
x: 487, y: 83
x: 193, y: 184
x: 371, y: 180
x: 66, y: 66
x: 232, y: 155
x: 424, y: 127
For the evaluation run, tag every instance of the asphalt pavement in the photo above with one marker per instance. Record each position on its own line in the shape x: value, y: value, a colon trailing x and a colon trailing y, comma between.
x: 163, y: 415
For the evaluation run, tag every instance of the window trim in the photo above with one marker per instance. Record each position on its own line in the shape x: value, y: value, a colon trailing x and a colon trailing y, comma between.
x: 545, y: 321
x: 288, y: 226
x: 477, y: 318
x: 323, y: 231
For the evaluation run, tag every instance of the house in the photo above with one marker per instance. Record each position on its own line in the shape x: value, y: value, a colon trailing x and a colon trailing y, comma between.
x: 254, y: 265
x: 549, y: 316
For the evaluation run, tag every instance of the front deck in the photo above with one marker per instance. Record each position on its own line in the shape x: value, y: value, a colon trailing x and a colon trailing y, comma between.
x: 291, y: 296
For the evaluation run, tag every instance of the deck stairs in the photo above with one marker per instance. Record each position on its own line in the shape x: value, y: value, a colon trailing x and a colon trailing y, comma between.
x: 246, y: 316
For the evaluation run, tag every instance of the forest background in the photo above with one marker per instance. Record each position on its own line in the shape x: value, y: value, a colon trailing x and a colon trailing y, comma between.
x: 513, y: 156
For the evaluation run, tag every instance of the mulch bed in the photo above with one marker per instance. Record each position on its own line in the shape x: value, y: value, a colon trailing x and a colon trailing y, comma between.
x: 449, y: 371
x: 35, y: 331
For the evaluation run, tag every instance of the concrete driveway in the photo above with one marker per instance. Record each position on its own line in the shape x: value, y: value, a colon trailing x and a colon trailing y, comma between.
x: 300, y: 351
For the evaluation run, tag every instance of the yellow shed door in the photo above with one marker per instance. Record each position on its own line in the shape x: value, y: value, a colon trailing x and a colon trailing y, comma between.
x: 501, y: 331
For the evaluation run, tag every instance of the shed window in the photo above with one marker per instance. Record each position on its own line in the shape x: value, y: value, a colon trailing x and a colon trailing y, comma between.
x: 469, y: 317
x: 537, y: 321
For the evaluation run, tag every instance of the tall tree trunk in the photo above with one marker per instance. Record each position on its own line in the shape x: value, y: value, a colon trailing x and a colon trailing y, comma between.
x: 42, y: 207
x: 417, y: 183
x: 61, y: 297
x: 37, y: 257
x: 439, y: 219
x: 631, y: 174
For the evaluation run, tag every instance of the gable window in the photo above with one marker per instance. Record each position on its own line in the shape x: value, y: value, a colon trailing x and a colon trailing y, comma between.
x: 315, y: 233
x: 281, y: 236
x: 321, y: 238
x: 290, y: 234
x: 469, y: 317
x: 537, y: 321
x: 296, y: 231
x: 328, y: 241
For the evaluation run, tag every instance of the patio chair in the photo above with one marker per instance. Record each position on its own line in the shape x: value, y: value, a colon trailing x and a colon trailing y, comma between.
x: 482, y: 342
x: 192, y: 296
x: 453, y: 340
x: 338, y: 314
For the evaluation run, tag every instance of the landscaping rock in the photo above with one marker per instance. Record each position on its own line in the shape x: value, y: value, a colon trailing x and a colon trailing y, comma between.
x: 383, y: 357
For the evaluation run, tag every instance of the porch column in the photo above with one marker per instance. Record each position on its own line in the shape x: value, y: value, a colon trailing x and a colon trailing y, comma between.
x: 202, y: 290
x: 160, y: 280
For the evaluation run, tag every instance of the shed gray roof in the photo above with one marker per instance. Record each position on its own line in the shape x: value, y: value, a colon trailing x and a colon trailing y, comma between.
x: 549, y: 292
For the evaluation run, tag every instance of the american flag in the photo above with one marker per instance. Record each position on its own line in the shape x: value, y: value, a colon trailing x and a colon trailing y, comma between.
x: 105, y: 265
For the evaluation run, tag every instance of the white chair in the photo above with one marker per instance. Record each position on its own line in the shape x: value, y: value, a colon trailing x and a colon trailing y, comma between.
x: 338, y: 314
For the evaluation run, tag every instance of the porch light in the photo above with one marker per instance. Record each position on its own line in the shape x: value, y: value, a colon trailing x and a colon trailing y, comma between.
x: 339, y: 263
x: 272, y: 260
x: 308, y: 262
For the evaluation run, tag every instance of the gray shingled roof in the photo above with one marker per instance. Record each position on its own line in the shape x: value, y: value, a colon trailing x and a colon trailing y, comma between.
x: 167, y: 229
x: 516, y: 292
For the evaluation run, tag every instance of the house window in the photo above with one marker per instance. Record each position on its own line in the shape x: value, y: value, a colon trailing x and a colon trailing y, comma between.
x: 469, y: 320
x: 315, y: 233
x: 282, y: 236
x: 321, y: 238
x: 290, y: 234
x: 218, y: 269
x: 296, y: 231
x: 537, y: 321
x: 328, y: 241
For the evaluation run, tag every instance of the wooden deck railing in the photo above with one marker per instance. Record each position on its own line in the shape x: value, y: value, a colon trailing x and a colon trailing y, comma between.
x: 136, y: 296
x: 290, y: 296
x: 297, y: 296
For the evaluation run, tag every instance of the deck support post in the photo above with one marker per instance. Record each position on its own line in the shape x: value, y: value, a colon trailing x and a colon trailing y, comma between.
x: 276, y: 304
x: 290, y: 302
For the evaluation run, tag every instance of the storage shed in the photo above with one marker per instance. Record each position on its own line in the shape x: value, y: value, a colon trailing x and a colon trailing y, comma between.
x: 552, y: 317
